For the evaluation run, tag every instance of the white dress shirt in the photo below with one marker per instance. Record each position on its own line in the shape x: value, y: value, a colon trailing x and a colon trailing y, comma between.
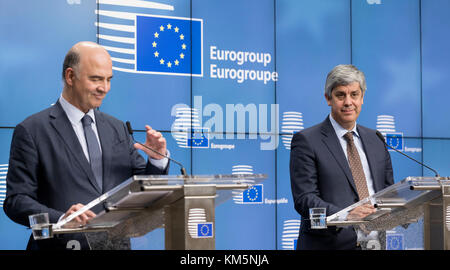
x: 75, y: 116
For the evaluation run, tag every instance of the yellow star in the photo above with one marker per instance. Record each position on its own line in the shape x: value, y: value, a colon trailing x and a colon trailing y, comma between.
x: 156, y: 34
x: 181, y: 36
x: 161, y: 61
x: 183, y: 46
x: 161, y: 28
x: 169, y: 26
x: 169, y: 64
x: 154, y: 44
x: 156, y: 54
x: 181, y: 56
x: 176, y: 62
x: 176, y: 29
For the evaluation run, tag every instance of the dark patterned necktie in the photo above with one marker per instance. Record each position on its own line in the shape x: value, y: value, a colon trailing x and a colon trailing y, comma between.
x: 95, y: 155
x: 356, y: 167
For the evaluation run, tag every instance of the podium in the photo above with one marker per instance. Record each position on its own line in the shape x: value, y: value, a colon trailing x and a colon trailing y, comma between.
x: 404, y: 203
x: 183, y: 205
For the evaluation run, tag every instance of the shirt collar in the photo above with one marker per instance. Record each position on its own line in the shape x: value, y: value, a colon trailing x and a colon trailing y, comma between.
x: 73, y: 113
x: 340, y: 131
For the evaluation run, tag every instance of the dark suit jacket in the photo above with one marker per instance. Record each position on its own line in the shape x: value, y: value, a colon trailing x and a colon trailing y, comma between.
x: 321, y: 177
x: 48, y: 171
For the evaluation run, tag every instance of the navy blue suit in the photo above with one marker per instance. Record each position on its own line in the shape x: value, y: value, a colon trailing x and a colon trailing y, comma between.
x: 321, y: 177
x: 48, y: 171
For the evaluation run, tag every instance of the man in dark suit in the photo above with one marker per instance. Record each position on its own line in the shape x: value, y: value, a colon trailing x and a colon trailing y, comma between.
x: 321, y: 168
x: 54, y: 169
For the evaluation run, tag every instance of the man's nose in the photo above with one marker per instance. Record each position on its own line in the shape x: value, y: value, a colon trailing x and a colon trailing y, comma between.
x: 348, y: 100
x: 104, y: 86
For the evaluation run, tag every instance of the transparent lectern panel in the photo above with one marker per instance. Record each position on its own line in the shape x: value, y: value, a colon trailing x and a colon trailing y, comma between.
x: 399, y: 213
x: 404, y: 196
x: 129, y: 207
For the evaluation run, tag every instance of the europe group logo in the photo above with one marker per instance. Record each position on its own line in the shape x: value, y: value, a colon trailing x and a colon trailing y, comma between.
x: 252, y: 195
x: 140, y: 41
x: 147, y: 43
x: 198, y: 226
x: 386, y: 125
x: 186, y: 129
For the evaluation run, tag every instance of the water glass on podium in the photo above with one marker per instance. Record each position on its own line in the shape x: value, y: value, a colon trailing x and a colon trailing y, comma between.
x: 40, y: 226
x: 317, y: 217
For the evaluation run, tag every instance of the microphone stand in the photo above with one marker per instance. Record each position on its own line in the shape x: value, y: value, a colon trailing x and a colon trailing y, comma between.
x: 382, y: 139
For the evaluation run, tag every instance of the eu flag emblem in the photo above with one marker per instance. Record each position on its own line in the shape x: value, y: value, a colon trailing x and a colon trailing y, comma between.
x: 253, y: 195
x: 394, y: 241
x: 169, y: 45
x: 205, y: 230
x: 395, y: 140
x: 198, y: 138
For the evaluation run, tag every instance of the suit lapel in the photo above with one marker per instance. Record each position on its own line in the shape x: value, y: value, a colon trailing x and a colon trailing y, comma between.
x: 370, y: 155
x: 62, y: 126
x: 334, y: 146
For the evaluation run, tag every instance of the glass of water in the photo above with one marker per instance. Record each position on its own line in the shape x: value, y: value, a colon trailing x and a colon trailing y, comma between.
x: 40, y: 226
x: 317, y: 216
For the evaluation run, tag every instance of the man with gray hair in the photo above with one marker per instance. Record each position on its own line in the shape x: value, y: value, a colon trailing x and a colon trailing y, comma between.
x: 337, y: 163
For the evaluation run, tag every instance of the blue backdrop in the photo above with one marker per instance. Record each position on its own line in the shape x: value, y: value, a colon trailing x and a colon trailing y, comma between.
x: 246, y: 73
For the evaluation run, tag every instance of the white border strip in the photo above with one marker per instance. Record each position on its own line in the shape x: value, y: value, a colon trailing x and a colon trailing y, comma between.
x: 136, y: 3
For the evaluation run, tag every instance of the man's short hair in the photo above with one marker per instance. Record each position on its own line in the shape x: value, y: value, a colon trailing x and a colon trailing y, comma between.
x: 344, y: 75
x: 71, y: 60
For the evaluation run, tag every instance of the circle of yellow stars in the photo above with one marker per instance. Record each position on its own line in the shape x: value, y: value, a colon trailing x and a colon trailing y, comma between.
x: 204, y: 229
x: 255, y: 194
x: 197, y: 137
x: 394, y: 140
x: 183, y: 46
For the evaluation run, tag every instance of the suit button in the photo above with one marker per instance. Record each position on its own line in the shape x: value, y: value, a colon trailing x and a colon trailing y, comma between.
x: 356, y: 200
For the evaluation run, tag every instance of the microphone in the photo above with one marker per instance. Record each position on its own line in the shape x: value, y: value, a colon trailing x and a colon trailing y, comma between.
x: 130, y: 130
x: 382, y: 139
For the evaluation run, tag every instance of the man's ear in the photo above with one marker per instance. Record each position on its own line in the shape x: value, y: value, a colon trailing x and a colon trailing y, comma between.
x: 69, y: 75
x: 328, y: 99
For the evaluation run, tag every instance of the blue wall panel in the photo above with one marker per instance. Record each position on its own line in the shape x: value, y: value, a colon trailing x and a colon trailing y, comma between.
x: 435, y: 68
x: 312, y: 37
x: 35, y: 38
x: 386, y: 46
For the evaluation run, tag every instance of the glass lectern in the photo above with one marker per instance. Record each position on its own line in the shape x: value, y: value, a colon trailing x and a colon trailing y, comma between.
x: 403, y: 203
x: 183, y: 205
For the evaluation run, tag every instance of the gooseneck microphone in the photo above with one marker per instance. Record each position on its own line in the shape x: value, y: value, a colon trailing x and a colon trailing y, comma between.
x: 382, y: 139
x: 130, y: 130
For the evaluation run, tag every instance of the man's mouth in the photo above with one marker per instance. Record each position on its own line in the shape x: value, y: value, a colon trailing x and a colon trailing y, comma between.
x: 348, y: 110
x: 98, y: 96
